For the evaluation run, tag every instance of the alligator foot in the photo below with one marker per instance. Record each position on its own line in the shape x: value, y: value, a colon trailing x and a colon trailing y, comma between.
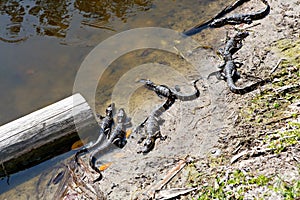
x: 218, y: 74
x: 142, y: 138
x: 120, y: 142
x: 150, y: 142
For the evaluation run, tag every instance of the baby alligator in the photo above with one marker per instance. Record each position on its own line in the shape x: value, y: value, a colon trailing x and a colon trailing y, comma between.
x: 241, y: 18
x: 107, y: 120
x: 118, y: 135
x: 152, y: 127
x: 233, y: 45
x: 165, y: 91
x: 228, y: 70
x: 117, y: 138
x: 105, y: 128
x: 219, y: 20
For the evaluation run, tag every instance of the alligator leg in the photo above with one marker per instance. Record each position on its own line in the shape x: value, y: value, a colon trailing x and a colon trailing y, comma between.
x: 236, y: 75
x: 120, y: 141
x: 100, y: 116
x: 218, y: 74
x: 138, y: 130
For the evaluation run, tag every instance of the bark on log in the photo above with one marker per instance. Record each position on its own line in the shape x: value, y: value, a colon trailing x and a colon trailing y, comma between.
x: 43, y: 134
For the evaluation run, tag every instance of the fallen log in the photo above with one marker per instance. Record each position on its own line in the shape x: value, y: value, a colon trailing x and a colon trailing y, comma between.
x: 43, y: 134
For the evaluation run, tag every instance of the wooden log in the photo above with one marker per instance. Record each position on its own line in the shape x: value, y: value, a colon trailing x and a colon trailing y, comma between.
x: 43, y: 134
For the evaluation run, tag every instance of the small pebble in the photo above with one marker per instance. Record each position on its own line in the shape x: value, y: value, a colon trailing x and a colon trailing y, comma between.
x: 216, y: 152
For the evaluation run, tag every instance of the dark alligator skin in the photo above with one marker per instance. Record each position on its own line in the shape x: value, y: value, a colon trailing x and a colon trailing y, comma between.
x: 241, y: 18
x: 219, y: 20
x: 117, y: 138
x: 165, y: 91
x: 228, y: 70
x: 105, y: 129
x: 151, y: 127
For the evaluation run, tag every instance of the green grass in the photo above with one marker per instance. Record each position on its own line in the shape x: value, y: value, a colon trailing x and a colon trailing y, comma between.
x: 289, y: 190
x: 272, y: 103
x: 232, y: 185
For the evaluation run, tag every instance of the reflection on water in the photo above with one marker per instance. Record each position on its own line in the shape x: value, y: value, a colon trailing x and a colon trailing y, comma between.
x: 45, y: 67
x: 22, y: 19
x: 106, y: 9
x: 43, y: 42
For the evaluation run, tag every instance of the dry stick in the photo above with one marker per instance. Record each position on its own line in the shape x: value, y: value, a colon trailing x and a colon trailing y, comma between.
x: 295, y: 157
x: 237, y: 149
x: 87, y: 188
x: 278, y: 120
x: 173, y: 192
x: 277, y: 65
x: 236, y: 157
x: 156, y: 187
x: 287, y: 88
x: 251, y: 153
x: 202, y: 106
x: 208, y: 115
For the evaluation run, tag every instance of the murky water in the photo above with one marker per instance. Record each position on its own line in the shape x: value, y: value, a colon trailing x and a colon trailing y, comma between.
x: 43, y: 43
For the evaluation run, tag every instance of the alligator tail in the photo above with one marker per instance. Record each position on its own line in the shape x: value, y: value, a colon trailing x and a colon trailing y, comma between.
x: 197, y: 29
x: 78, y: 153
x: 93, y: 166
x: 200, y: 27
x: 238, y: 90
x: 190, y: 97
x: 262, y: 13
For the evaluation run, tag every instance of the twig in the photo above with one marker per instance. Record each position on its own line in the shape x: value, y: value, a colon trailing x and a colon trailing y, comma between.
x: 14, y: 40
x: 231, y: 115
x: 295, y: 157
x: 172, y: 193
x: 287, y: 88
x: 237, y: 149
x: 251, y: 153
x: 150, y: 193
x: 202, y: 106
x: 236, y: 157
x: 277, y: 65
x: 179, y: 53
